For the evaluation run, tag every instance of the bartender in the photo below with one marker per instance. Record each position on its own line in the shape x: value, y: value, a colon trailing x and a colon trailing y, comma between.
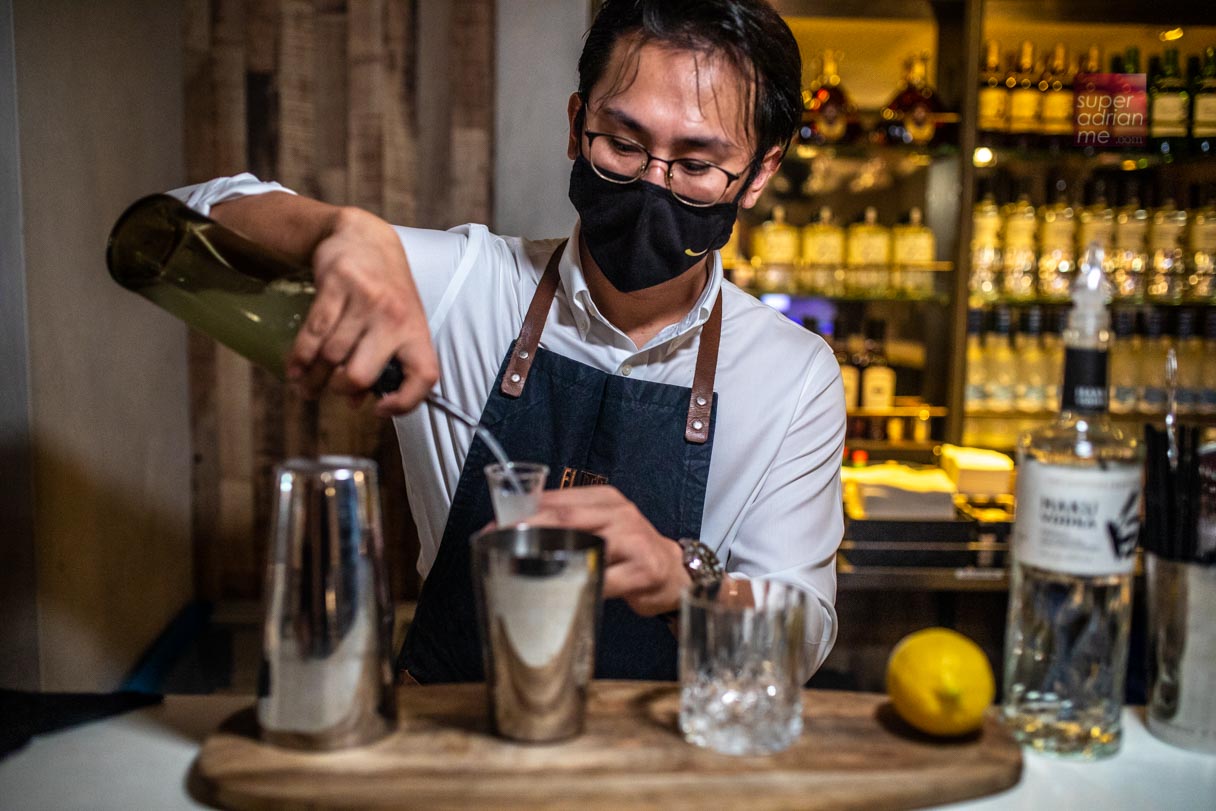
x: 691, y: 427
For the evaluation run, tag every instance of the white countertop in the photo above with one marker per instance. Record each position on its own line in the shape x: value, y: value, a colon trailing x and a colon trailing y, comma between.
x: 140, y: 760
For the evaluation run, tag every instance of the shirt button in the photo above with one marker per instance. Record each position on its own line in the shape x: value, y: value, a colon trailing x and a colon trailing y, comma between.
x: 626, y: 370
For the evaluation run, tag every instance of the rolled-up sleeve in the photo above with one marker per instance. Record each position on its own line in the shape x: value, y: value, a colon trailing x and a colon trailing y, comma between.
x: 792, y: 530
x: 436, y: 257
x: 202, y: 196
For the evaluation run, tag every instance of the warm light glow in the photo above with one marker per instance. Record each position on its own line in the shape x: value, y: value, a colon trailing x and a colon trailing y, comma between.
x: 1171, y: 35
x: 983, y: 156
x: 1128, y: 166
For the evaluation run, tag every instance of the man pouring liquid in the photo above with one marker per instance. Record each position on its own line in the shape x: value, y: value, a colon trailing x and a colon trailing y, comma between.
x: 683, y: 421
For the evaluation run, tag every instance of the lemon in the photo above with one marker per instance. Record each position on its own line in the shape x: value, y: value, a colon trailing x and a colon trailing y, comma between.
x: 940, y: 682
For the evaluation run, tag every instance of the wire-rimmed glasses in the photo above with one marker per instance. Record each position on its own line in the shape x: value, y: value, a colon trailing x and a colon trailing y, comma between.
x: 691, y: 181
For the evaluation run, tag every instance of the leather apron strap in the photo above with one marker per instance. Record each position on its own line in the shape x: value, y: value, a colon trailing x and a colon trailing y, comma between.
x: 700, y: 402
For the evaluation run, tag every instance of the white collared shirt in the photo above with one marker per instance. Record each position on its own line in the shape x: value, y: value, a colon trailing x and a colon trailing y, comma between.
x: 772, y: 503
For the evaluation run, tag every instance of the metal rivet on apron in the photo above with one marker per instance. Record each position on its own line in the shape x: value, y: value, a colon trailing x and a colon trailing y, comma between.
x: 515, y: 377
x: 700, y: 401
x: 524, y: 354
x: 696, y: 424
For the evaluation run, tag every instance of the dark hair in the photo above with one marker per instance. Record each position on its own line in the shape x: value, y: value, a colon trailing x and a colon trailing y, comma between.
x: 749, y: 33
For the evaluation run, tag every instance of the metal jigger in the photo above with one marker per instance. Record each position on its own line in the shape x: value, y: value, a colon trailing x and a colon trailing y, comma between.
x: 326, y: 679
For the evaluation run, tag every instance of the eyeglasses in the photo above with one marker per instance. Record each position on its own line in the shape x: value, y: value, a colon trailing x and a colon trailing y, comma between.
x: 622, y: 160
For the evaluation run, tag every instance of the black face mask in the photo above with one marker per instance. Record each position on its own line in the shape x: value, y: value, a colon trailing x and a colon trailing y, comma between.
x: 640, y: 235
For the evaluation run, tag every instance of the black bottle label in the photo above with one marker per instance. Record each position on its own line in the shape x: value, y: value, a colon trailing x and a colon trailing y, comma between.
x: 1084, y: 380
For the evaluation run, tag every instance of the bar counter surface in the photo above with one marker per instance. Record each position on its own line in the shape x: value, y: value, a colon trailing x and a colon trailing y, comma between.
x: 143, y: 759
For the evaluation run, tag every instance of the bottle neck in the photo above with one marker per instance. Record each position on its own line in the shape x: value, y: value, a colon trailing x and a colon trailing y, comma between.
x: 1085, y: 380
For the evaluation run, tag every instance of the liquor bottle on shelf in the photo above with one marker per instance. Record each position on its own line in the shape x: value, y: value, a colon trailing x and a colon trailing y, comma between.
x: 1019, y: 262
x: 1155, y: 344
x: 1190, y: 362
x: 1169, y: 108
x: 742, y: 272
x: 848, y: 372
x: 1025, y: 100
x: 1128, y: 129
x: 983, y: 284
x: 1131, y: 59
x: 1124, y: 364
x: 868, y: 256
x: 1096, y: 220
x: 877, y: 376
x: 975, y: 395
x: 1130, y: 264
x: 913, y: 114
x: 1074, y: 543
x: 1030, y: 386
x: 823, y: 255
x: 1056, y: 110
x: 1091, y: 97
x: 1201, y: 244
x: 1203, y: 106
x: 1053, y: 355
x: 729, y: 253
x: 830, y: 116
x: 993, y: 116
x: 1057, y: 242
x: 774, y: 253
x: 913, y: 249
x: 1167, y: 280
x: 1207, y: 397
x: 999, y: 364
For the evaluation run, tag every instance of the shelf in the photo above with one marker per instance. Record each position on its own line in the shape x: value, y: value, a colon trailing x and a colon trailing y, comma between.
x: 916, y: 578
x: 918, y: 411
x: 1084, y: 158
x: 1044, y: 416
x: 1118, y: 304
x: 937, y: 298
x: 912, y: 156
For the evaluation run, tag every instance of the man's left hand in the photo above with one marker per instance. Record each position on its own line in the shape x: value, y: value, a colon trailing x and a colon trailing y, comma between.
x: 641, y: 566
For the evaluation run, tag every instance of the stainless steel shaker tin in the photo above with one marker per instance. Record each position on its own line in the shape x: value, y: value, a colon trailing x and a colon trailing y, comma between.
x: 1182, y: 653
x: 327, y: 678
x: 539, y: 594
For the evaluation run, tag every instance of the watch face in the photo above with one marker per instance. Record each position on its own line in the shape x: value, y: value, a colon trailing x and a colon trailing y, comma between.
x: 700, y: 562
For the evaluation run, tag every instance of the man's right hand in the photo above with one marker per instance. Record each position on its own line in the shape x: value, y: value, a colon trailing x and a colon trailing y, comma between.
x: 367, y: 309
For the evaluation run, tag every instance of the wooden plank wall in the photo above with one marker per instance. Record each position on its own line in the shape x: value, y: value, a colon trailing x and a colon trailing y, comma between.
x: 321, y: 95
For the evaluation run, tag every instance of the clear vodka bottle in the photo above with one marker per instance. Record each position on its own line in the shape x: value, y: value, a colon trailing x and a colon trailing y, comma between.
x: 1078, y: 507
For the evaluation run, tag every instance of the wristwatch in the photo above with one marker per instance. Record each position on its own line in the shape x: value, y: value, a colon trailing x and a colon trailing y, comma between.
x: 700, y: 562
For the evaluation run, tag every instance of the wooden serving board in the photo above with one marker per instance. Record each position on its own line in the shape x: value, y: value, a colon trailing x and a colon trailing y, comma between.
x: 854, y: 753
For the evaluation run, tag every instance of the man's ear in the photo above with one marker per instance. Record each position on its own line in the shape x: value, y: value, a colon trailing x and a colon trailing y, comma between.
x: 573, y: 106
x: 768, y: 166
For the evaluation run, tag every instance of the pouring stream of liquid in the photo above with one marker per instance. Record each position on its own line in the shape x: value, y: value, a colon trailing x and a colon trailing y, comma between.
x: 448, y: 407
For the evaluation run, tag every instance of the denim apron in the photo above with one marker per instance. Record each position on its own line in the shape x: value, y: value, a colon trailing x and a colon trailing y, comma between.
x: 652, y: 441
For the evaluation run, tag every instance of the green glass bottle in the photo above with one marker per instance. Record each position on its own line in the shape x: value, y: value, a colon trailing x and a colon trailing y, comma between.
x: 1169, y: 108
x: 1203, y: 106
x: 244, y: 295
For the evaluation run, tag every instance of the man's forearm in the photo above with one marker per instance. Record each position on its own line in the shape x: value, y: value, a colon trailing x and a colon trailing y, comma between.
x: 288, y: 223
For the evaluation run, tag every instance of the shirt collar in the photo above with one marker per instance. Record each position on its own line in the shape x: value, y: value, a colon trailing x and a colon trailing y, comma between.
x: 575, y: 283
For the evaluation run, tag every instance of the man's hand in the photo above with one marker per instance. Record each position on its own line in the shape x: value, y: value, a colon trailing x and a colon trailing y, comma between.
x: 642, y: 566
x: 367, y: 311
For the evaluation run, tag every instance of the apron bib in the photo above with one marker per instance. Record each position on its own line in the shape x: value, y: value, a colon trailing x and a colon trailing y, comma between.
x: 652, y: 441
